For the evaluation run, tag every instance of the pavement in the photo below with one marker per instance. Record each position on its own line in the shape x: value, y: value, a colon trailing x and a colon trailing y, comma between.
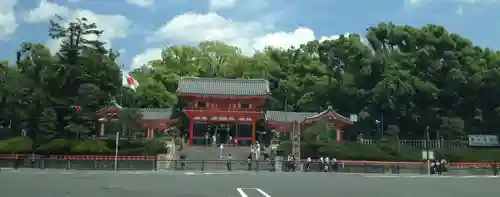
x: 79, y: 183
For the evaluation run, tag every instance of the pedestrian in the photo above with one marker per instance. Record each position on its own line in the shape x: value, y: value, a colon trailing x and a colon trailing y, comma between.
x: 266, y: 153
x: 494, y: 166
x: 438, y: 167
x: 443, y: 165
x: 249, y: 162
x: 228, y: 162
x: 327, y: 163
x: 257, y: 151
x: 221, y: 150
x: 182, y: 157
x: 308, y: 164
x: 334, y: 164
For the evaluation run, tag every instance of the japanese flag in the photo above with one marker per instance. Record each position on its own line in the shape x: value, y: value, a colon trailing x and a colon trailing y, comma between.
x: 129, y: 81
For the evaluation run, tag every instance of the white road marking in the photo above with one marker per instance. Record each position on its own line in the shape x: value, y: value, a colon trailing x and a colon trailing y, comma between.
x: 241, y: 192
x: 263, y: 193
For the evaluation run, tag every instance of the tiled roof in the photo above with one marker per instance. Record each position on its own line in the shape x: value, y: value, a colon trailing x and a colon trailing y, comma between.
x: 287, y: 117
x: 222, y: 86
x: 330, y: 111
x: 155, y: 113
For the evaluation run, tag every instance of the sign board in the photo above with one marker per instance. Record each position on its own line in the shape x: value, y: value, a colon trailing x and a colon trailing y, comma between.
x: 353, y: 117
x: 483, y: 140
x: 424, y: 154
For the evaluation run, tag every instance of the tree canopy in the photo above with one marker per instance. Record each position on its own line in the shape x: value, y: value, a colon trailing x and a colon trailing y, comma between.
x: 411, y: 78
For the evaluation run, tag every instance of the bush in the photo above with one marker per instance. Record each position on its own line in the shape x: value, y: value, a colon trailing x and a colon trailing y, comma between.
x: 57, y: 146
x: 17, y: 145
x: 88, y: 147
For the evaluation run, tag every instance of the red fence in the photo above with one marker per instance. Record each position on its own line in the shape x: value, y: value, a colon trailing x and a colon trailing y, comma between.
x: 149, y: 158
x: 83, y: 157
x: 387, y: 163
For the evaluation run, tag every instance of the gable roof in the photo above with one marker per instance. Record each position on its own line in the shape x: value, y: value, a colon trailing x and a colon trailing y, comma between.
x: 287, y: 117
x: 331, y: 113
x: 223, y: 86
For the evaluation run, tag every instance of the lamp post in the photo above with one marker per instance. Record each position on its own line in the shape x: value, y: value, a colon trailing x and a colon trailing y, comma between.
x: 427, y: 149
x: 379, y: 132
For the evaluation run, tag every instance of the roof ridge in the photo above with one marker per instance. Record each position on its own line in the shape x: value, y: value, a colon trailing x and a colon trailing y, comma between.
x: 224, y: 79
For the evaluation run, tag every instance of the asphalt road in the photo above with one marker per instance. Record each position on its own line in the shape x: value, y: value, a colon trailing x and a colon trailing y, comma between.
x: 60, y: 183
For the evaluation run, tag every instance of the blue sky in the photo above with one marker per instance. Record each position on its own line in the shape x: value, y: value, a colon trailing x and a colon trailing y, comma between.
x: 141, y: 28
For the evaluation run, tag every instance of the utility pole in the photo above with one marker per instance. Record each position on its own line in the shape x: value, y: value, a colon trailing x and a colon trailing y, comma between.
x: 427, y: 149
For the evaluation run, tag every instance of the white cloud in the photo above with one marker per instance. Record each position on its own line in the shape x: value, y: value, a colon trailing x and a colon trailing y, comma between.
x: 145, y: 57
x: 45, y: 11
x: 221, y: 4
x: 249, y: 36
x: 8, y: 24
x: 114, y: 26
x: 141, y: 3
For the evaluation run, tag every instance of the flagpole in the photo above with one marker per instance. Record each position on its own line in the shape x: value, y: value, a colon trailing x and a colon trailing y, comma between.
x: 117, y: 140
x: 116, y: 149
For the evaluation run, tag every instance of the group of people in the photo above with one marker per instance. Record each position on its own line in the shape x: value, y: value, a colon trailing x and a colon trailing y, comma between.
x: 324, y: 164
x: 438, y: 166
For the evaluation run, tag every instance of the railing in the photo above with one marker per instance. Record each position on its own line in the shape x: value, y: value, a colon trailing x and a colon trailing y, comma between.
x: 433, y: 144
x: 134, y: 163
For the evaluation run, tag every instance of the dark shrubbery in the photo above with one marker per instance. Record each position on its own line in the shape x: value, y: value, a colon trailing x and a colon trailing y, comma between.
x: 21, y: 145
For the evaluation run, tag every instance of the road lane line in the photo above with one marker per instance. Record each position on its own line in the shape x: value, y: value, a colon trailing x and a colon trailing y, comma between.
x: 242, y: 193
x: 262, y: 192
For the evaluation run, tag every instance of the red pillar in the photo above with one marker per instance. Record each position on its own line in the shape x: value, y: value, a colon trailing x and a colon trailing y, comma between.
x: 191, y: 131
x: 253, y: 131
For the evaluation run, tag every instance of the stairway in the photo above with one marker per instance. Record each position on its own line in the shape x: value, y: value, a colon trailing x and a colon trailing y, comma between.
x: 209, y: 157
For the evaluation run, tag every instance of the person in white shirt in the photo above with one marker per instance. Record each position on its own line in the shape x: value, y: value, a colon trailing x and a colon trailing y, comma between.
x: 308, y: 164
x: 214, y: 140
x: 257, y: 151
x: 321, y: 163
x: 327, y: 163
x: 221, y: 150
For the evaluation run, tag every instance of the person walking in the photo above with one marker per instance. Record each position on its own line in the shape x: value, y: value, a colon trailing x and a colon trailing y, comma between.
x: 308, y: 164
x: 221, y: 150
x: 228, y: 162
x: 249, y: 162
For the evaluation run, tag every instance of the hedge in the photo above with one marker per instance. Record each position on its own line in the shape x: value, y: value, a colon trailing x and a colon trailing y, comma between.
x: 355, y: 151
x: 22, y: 145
